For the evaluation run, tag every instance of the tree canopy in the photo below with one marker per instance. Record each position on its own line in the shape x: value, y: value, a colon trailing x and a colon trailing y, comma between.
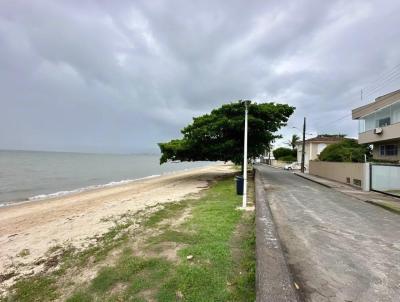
x: 219, y: 134
x: 347, y: 150
x: 285, y: 153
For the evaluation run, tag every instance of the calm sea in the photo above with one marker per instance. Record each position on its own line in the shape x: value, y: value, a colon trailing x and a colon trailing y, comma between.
x: 31, y: 175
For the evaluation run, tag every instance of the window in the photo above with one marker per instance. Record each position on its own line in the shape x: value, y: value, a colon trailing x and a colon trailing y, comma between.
x: 391, y: 150
x: 384, y: 122
x: 388, y: 150
x: 382, y: 117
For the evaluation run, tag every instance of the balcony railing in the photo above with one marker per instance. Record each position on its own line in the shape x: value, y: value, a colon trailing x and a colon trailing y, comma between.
x: 381, y: 118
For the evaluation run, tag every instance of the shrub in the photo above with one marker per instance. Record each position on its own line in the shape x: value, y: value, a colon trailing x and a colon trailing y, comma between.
x: 288, y: 158
x: 283, y: 152
x: 347, y: 150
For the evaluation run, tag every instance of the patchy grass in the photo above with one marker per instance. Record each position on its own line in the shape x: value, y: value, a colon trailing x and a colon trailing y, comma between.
x: 24, y: 253
x: 168, y: 211
x: 218, y: 238
x: 390, y: 206
x: 39, y: 288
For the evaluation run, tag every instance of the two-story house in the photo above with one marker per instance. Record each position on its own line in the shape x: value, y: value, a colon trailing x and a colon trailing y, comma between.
x: 379, y: 125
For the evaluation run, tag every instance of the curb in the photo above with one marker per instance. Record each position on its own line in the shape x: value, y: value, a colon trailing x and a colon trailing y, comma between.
x: 313, y: 180
x: 273, y: 280
x: 378, y: 204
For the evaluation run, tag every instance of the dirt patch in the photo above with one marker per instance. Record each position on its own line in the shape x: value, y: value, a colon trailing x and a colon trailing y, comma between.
x: 148, y: 295
x: 4, y: 277
x: 119, y: 287
x: 167, y: 250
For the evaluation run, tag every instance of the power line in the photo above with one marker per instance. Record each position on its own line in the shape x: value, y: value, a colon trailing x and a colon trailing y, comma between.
x: 381, y: 78
x: 337, y: 120
x: 374, y: 86
x: 384, y: 84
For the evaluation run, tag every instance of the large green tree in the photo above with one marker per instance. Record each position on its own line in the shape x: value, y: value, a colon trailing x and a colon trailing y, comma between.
x: 219, y: 134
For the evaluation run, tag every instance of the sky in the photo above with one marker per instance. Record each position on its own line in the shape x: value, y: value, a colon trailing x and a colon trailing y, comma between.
x: 120, y: 76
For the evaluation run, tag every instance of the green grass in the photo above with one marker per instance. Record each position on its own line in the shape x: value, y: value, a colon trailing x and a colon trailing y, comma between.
x: 168, y: 211
x: 40, y: 288
x: 215, y: 273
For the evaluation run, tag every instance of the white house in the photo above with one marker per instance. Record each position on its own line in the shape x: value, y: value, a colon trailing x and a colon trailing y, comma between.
x: 314, y: 146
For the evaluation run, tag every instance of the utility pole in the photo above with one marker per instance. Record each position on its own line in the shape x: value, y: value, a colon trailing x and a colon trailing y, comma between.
x: 244, y: 203
x: 304, y: 146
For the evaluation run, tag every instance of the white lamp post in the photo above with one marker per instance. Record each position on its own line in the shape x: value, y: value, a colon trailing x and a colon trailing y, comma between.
x: 244, y: 203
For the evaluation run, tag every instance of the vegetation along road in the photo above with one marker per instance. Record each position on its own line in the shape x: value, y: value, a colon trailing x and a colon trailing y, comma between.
x: 338, y: 248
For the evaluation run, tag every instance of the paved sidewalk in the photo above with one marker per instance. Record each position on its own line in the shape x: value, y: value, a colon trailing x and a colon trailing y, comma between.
x: 385, y: 201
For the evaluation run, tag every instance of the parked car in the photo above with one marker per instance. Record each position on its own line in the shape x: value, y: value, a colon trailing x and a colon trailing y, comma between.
x: 293, y: 166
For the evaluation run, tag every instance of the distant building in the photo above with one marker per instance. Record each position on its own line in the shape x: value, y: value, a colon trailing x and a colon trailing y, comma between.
x: 314, y: 146
x: 379, y: 124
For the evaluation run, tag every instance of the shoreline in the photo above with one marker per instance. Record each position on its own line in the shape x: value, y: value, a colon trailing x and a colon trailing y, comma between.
x: 63, y: 193
x: 75, y: 219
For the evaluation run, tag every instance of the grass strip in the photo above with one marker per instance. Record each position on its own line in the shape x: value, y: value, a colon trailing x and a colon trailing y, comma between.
x: 218, y: 238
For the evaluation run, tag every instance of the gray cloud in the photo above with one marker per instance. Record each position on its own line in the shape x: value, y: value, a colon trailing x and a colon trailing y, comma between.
x: 120, y: 76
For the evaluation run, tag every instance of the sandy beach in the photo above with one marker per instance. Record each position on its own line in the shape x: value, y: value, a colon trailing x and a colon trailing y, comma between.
x: 33, y: 228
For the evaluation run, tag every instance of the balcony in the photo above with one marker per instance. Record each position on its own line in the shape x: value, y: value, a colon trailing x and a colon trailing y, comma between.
x: 381, y: 125
x: 389, y: 133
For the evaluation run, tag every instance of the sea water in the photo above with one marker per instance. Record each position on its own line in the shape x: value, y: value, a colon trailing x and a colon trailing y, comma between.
x: 34, y: 175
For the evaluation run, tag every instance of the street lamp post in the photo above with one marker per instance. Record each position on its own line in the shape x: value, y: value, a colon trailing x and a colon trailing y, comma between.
x: 244, y: 202
x: 303, y: 146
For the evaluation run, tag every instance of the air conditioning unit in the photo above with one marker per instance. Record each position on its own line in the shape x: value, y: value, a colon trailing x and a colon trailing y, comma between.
x: 378, y: 130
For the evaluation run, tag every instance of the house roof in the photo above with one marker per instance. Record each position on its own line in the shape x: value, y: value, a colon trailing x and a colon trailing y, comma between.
x: 323, y: 139
x: 380, y: 102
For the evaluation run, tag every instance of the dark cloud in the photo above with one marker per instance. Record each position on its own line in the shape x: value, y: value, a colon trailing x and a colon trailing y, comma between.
x: 120, y: 76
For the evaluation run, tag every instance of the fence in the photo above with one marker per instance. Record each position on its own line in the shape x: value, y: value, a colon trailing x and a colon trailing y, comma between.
x: 385, y: 178
x: 356, y: 174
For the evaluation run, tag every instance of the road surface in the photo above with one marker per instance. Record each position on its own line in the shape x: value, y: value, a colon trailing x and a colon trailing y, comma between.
x: 338, y: 248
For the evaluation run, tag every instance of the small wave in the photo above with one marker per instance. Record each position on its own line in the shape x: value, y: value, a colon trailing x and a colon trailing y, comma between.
x: 89, y: 188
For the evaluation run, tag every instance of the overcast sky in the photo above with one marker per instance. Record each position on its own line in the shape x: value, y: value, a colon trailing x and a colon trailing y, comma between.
x: 120, y: 76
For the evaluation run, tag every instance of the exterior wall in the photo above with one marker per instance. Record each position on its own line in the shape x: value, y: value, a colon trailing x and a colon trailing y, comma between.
x: 377, y: 155
x: 278, y: 163
x: 317, y: 148
x: 312, y: 151
x: 391, y: 132
x: 379, y: 103
x: 339, y: 171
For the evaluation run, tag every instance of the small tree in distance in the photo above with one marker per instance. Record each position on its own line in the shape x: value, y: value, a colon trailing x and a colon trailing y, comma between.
x: 219, y: 134
x: 293, y: 141
x: 285, y: 154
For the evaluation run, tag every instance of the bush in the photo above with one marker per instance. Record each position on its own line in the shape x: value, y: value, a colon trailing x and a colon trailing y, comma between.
x: 347, y: 150
x: 288, y: 158
x: 284, y: 152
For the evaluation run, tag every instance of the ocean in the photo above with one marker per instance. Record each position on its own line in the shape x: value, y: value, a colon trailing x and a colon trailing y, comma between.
x: 35, y: 175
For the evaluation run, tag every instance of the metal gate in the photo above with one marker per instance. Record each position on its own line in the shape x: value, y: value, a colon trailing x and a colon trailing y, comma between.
x: 385, y: 178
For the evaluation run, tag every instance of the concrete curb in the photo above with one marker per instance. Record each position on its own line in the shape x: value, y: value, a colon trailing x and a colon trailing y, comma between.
x: 381, y: 204
x: 313, y: 180
x: 273, y: 280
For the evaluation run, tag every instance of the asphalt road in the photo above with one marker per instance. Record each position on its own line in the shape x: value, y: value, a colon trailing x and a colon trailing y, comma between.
x: 337, y: 247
